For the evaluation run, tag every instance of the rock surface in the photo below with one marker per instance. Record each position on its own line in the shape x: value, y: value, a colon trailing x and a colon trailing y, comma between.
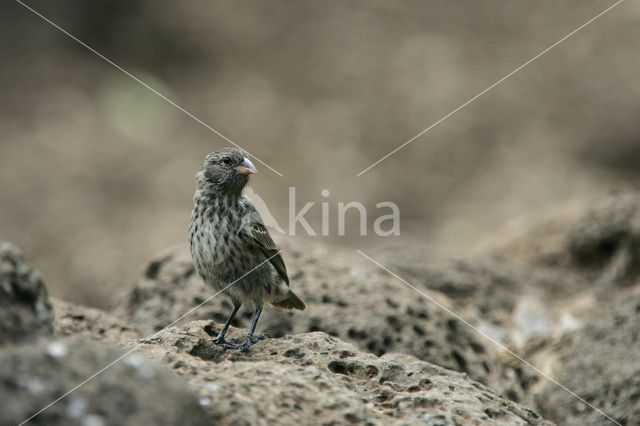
x: 293, y: 379
x: 347, y: 296
x: 607, y: 352
x: 513, y: 302
x: 25, y: 309
x: 598, y: 238
x: 351, y: 298
x: 285, y: 379
x: 134, y: 391
x: 91, y: 324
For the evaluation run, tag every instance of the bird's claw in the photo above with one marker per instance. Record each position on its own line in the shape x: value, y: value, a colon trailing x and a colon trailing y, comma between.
x: 256, y: 339
x: 244, y: 346
x: 219, y: 341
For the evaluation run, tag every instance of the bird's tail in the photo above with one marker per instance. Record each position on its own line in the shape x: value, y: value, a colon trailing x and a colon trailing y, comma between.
x: 290, y: 302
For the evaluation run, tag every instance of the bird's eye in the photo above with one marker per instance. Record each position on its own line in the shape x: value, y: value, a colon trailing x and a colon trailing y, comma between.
x: 227, y: 161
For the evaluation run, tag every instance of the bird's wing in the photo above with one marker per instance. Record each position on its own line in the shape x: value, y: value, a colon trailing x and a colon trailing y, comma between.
x: 267, y: 218
x: 260, y: 239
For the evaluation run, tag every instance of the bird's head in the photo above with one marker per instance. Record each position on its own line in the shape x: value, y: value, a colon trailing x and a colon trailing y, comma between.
x: 225, y: 171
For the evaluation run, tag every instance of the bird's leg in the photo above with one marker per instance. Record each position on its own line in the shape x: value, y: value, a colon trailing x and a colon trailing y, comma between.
x: 219, y: 340
x: 244, y: 346
x: 250, y: 337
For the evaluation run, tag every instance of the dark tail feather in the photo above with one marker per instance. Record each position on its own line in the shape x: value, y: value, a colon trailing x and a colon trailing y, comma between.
x: 291, y: 302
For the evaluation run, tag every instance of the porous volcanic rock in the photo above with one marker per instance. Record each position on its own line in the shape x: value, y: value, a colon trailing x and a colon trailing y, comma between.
x: 91, y: 324
x: 598, y: 237
x: 347, y: 296
x: 320, y: 379
x: 25, y: 309
x: 284, y: 379
x: 601, y: 363
x: 134, y: 391
x: 513, y: 302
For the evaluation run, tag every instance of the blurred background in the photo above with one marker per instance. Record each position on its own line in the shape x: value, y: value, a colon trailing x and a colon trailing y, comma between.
x: 96, y: 172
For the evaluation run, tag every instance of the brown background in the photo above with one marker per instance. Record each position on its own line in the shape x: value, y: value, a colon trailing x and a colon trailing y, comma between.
x: 96, y: 172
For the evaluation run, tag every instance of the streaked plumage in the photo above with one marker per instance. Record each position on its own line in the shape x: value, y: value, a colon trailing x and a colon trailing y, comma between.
x: 228, y: 240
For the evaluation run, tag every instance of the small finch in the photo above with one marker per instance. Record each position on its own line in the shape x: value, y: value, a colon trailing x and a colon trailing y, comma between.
x: 230, y: 244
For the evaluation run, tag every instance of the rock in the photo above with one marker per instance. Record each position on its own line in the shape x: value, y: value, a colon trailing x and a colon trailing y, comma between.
x: 520, y: 306
x: 601, y: 363
x: 599, y: 238
x: 134, y: 391
x: 167, y: 289
x: 353, y: 299
x: 347, y: 297
x: 280, y: 380
x: 513, y: 302
x: 92, y: 324
x: 605, y: 238
x: 25, y: 308
x: 293, y: 379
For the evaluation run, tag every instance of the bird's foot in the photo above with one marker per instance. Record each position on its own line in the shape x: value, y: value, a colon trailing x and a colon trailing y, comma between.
x: 231, y: 345
x: 256, y: 339
x: 220, y: 340
x: 244, y: 346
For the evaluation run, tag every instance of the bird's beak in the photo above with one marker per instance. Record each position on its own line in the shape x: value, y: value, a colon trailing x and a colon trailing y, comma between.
x: 246, y: 168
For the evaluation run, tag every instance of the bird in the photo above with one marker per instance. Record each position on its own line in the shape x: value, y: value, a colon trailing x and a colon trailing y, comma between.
x: 230, y: 246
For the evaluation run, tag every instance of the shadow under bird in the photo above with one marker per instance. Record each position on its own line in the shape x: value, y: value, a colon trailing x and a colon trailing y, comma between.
x: 230, y: 245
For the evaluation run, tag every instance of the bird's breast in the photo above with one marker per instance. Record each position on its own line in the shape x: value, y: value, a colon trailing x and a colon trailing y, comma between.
x: 215, y: 242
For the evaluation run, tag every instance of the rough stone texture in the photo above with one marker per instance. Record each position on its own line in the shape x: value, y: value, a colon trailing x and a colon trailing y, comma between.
x: 316, y: 377
x: 134, y: 391
x: 347, y: 296
x: 351, y: 298
x: 513, y: 302
x: 167, y: 289
x: 605, y: 239
x: 90, y: 323
x: 599, y: 238
x: 601, y: 363
x: 285, y: 379
x: 25, y: 308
